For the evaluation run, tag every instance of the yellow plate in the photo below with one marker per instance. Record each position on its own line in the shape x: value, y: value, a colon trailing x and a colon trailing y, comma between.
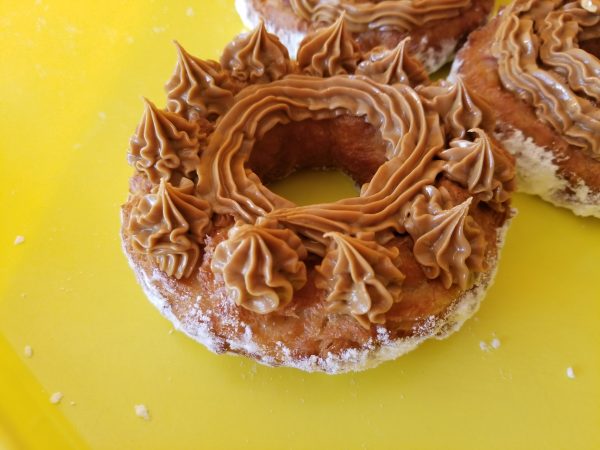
x: 71, y: 78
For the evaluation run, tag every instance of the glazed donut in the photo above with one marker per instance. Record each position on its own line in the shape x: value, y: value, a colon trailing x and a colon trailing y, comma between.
x: 538, y: 63
x: 436, y: 28
x: 329, y: 287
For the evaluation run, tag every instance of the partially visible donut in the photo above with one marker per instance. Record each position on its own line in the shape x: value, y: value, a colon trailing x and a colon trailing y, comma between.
x: 436, y: 28
x: 538, y: 63
x: 329, y: 287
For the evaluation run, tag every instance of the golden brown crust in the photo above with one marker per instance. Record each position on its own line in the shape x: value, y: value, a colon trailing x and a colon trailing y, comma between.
x: 479, y: 71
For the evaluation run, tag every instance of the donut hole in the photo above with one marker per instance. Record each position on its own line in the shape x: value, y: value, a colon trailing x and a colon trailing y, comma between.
x: 347, y: 144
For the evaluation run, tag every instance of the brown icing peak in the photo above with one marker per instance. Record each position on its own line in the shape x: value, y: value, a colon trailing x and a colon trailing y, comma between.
x: 362, y: 278
x: 472, y: 164
x: 329, y: 51
x: 169, y: 224
x: 256, y: 57
x: 261, y: 265
x: 448, y: 243
x: 198, y: 87
x: 393, y: 66
x: 164, y: 143
x: 459, y: 109
x: 540, y: 61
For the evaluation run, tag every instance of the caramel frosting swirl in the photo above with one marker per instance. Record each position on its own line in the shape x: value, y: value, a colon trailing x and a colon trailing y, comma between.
x: 164, y: 143
x: 427, y: 135
x: 539, y: 60
x: 474, y: 165
x: 393, y: 66
x: 362, y: 16
x: 455, y: 104
x: 362, y: 278
x: 169, y: 225
x: 198, y: 85
x: 256, y: 57
x: 261, y: 265
x: 448, y: 243
x: 330, y: 51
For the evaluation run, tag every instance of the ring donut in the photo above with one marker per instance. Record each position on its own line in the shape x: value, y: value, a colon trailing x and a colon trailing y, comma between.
x: 328, y: 287
x: 436, y: 28
x: 538, y: 63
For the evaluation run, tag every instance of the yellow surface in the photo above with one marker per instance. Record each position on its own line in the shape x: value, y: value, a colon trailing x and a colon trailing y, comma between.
x: 71, y: 79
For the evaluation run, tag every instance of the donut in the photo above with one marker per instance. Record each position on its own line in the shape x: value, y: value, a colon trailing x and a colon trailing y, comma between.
x: 330, y: 287
x: 538, y: 63
x: 436, y: 28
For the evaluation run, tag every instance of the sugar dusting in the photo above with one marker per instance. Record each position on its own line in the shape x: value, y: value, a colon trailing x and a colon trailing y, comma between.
x: 570, y: 373
x: 28, y: 351
x: 56, y: 398
x: 19, y: 240
x: 142, y: 411
x: 538, y: 174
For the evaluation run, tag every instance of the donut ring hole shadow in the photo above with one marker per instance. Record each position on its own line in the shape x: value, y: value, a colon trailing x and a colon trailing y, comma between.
x: 346, y: 143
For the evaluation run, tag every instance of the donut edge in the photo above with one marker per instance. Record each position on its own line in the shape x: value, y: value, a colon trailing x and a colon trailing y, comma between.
x: 432, y: 58
x: 536, y: 172
x: 352, y: 360
x: 538, y: 175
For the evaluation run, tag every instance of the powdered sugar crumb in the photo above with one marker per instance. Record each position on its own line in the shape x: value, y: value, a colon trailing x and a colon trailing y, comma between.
x: 19, y: 240
x: 56, y: 398
x: 495, y: 343
x: 570, y: 373
x: 28, y: 351
x: 142, y: 411
x: 190, y: 12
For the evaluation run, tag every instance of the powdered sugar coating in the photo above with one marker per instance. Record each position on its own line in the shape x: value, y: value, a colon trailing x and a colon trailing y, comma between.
x: 538, y: 174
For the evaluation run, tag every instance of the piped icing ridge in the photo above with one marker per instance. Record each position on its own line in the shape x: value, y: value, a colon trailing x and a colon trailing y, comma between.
x: 393, y: 66
x: 362, y: 16
x: 256, y: 57
x: 267, y: 255
x: 164, y: 143
x: 448, y: 243
x: 261, y: 265
x: 362, y: 278
x: 169, y: 224
x: 329, y: 51
x: 540, y: 60
x: 198, y: 88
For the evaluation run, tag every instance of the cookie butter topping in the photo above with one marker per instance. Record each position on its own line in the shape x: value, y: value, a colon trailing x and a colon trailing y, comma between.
x: 262, y: 265
x: 393, y: 66
x: 455, y: 104
x: 362, y: 278
x: 365, y: 15
x: 198, y: 87
x: 266, y: 254
x: 256, y: 57
x: 476, y: 166
x: 169, y: 224
x: 448, y: 242
x: 330, y: 51
x: 164, y: 143
x: 540, y: 60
